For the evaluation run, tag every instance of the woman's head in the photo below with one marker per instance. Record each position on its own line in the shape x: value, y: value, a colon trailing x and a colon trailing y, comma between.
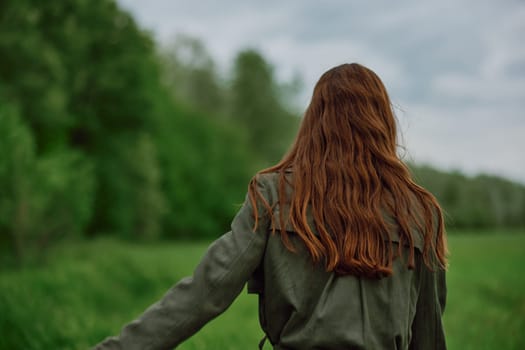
x: 349, y: 115
x: 347, y: 175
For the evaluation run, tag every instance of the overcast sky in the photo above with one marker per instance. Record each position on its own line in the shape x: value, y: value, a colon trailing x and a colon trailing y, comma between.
x: 454, y: 68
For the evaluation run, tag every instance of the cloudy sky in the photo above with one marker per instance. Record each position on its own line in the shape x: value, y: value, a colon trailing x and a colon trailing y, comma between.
x: 455, y: 69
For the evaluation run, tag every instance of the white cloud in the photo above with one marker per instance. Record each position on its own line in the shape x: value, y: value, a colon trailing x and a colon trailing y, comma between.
x: 484, y: 90
x: 473, y: 139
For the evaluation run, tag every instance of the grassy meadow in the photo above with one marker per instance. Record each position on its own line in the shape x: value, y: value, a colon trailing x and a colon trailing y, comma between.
x: 86, y: 291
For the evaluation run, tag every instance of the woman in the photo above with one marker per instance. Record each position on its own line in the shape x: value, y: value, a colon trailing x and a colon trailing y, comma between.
x: 344, y: 250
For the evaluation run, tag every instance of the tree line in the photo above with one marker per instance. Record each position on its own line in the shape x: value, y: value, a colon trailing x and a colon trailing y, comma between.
x: 103, y: 132
x: 475, y: 202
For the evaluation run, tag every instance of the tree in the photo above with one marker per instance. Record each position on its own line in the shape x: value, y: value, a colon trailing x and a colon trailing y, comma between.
x: 85, y: 80
x: 474, y: 202
x: 256, y: 107
x: 16, y: 162
x: 190, y: 73
x: 206, y: 169
x: 44, y: 198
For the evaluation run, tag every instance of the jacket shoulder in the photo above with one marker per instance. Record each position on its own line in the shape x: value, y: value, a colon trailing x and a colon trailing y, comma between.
x: 268, y: 185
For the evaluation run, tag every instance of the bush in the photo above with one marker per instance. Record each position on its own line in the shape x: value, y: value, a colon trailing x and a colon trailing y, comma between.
x: 43, y: 198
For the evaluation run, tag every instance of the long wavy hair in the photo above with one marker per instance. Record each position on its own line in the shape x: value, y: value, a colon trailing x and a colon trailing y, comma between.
x: 346, y: 173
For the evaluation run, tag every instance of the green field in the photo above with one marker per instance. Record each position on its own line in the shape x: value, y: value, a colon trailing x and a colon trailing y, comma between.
x: 86, y: 291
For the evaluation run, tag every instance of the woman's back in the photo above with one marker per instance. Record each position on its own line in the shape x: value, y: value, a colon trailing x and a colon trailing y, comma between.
x: 302, y: 306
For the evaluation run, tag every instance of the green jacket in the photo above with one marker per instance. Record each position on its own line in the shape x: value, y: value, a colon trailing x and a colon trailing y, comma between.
x: 301, y: 306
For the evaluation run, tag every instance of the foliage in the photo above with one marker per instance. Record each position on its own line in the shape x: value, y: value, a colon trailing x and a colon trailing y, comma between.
x: 477, y: 202
x: 251, y: 98
x: 257, y: 108
x: 16, y: 161
x: 104, y: 132
x: 44, y: 197
x: 191, y: 75
x: 206, y: 168
x: 67, y: 67
x: 94, y: 142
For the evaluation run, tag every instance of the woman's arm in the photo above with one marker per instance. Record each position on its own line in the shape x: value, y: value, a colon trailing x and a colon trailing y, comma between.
x: 427, y: 327
x: 192, y: 302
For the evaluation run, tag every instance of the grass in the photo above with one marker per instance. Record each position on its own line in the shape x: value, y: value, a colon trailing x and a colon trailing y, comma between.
x: 87, y: 291
x: 486, y: 308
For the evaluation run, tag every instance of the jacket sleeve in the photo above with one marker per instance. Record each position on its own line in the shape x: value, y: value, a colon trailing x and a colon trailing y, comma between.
x: 427, y: 327
x: 216, y: 282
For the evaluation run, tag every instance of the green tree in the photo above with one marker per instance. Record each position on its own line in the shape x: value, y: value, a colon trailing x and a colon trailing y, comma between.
x: 85, y: 80
x: 206, y: 169
x: 44, y: 198
x: 474, y: 202
x: 16, y: 161
x: 190, y: 73
x: 257, y: 108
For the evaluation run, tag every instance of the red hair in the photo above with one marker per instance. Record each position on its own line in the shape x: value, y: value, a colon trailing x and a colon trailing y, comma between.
x: 345, y: 171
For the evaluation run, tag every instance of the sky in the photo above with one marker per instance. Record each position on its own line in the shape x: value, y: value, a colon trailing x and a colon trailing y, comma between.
x: 454, y: 69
